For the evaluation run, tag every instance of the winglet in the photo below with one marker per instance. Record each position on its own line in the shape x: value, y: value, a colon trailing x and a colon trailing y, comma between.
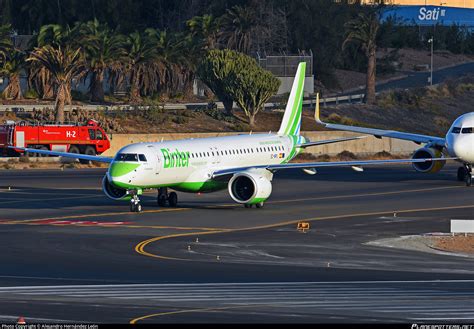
x: 316, y: 111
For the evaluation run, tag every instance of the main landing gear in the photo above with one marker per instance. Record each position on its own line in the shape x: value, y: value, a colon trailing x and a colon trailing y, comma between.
x: 466, y: 174
x: 166, y: 199
x: 257, y: 205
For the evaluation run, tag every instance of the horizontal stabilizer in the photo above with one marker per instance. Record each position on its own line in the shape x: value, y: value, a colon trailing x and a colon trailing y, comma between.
x: 330, y: 141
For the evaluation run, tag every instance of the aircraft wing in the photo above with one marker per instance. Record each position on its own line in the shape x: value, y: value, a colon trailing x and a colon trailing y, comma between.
x: 310, y: 165
x: 65, y: 154
x: 379, y: 133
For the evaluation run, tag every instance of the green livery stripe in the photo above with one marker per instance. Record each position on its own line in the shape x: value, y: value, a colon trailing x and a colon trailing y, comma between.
x: 297, y: 102
x: 118, y: 169
x: 294, y: 127
x: 208, y: 186
x: 294, y: 151
x: 256, y: 200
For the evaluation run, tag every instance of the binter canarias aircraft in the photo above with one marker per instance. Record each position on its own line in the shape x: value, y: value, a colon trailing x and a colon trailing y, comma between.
x: 243, y: 164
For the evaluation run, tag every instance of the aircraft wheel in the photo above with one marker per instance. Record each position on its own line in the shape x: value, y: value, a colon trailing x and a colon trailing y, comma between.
x: 259, y: 205
x: 468, y: 180
x: 247, y: 205
x: 136, y: 207
x: 88, y: 151
x: 462, y: 172
x: 43, y: 148
x: 161, y: 200
x: 173, y: 199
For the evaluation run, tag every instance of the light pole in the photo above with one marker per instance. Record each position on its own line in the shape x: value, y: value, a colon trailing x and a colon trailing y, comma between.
x: 431, y: 66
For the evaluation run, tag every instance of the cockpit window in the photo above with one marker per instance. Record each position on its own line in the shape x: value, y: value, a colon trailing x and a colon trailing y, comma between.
x: 456, y: 130
x: 467, y: 130
x: 142, y: 157
x: 127, y: 157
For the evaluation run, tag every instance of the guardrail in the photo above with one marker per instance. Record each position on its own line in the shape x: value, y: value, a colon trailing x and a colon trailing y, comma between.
x: 19, y: 108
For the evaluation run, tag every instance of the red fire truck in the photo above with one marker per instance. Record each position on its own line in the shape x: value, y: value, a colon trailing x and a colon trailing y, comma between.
x: 88, y: 139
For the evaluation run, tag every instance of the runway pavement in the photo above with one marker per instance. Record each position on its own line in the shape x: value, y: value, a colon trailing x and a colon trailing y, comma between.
x: 70, y: 254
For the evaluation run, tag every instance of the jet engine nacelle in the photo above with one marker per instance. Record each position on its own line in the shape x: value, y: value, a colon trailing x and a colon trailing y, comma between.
x: 112, y: 191
x: 428, y: 166
x: 249, y: 187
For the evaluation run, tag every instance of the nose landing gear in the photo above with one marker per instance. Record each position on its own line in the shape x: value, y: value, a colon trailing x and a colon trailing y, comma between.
x: 135, y: 205
x: 466, y: 174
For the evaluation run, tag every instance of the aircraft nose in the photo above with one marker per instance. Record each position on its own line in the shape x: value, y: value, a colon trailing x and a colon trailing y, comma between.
x: 464, y: 149
x: 121, y: 171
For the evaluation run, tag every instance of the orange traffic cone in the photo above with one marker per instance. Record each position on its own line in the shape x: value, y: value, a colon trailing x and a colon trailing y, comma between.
x: 21, y: 320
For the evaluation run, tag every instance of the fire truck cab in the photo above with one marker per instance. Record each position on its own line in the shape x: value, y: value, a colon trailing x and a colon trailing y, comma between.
x: 88, y: 139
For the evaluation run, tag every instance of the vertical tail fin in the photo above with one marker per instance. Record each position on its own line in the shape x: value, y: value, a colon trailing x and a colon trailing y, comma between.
x: 291, y: 123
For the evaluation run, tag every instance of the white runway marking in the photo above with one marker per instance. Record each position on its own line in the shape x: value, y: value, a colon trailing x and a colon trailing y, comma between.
x: 395, y: 300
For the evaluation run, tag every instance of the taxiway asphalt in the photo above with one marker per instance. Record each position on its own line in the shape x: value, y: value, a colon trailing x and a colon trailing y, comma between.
x: 71, y: 254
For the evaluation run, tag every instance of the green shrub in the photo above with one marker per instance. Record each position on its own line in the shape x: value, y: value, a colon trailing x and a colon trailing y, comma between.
x: 24, y: 159
x: 31, y: 94
x: 179, y: 119
x: 347, y: 156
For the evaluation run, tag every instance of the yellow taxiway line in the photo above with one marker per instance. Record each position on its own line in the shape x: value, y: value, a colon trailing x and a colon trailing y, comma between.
x: 140, y: 247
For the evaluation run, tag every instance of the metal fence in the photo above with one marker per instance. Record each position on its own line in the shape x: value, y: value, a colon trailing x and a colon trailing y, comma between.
x: 286, y: 65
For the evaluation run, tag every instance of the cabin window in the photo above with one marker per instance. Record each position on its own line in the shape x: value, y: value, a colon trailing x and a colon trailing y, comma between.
x: 142, y: 157
x: 456, y: 130
x: 467, y: 130
x: 127, y: 157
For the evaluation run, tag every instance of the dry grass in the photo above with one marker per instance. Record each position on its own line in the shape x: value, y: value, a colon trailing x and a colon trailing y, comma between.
x: 457, y: 243
x: 16, y: 164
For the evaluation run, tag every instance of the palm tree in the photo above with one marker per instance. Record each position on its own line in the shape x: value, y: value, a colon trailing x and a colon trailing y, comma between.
x: 141, y: 54
x: 58, y: 35
x: 64, y: 64
x: 5, y: 41
x: 363, y: 30
x: 38, y: 76
x: 14, y: 64
x: 237, y: 27
x: 204, y: 28
x: 102, y: 50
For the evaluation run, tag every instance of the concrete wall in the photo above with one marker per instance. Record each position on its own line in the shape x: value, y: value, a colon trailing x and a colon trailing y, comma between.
x: 287, y: 83
x: 364, y: 146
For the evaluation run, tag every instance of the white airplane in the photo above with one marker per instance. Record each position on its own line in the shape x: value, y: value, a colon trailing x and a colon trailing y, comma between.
x: 243, y: 164
x: 458, y: 144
